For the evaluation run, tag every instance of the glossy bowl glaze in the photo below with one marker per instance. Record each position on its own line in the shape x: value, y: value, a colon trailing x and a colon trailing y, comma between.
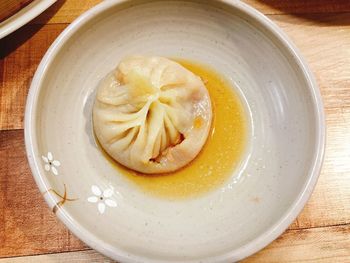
x: 262, y: 197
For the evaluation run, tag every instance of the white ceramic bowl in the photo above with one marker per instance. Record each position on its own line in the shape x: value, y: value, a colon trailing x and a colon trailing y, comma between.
x: 23, y: 16
x: 262, y: 197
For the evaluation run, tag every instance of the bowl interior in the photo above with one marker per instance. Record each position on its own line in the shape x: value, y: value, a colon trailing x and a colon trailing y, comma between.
x: 136, y: 226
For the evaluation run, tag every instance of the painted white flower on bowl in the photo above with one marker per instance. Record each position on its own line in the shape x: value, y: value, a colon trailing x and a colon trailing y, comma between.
x: 50, y: 163
x: 102, y: 198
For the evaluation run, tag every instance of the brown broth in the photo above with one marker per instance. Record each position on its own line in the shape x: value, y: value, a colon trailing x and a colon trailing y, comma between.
x: 220, y: 155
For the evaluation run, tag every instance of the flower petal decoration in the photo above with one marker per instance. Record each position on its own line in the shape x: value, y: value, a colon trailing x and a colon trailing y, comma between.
x: 93, y: 199
x: 101, y: 207
x: 50, y: 156
x: 54, y: 170
x: 96, y: 190
x: 56, y: 163
x: 108, y: 193
x: 102, y: 198
x: 47, y: 167
x: 50, y: 163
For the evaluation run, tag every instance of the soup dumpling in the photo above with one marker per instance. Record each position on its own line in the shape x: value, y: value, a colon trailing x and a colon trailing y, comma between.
x: 152, y: 115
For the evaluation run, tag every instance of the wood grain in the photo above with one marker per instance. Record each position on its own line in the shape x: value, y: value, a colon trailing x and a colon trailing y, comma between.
x: 64, y: 11
x: 70, y: 9
x: 330, y: 244
x: 10, y: 7
x: 27, y: 226
x: 20, y: 55
x: 300, y: 7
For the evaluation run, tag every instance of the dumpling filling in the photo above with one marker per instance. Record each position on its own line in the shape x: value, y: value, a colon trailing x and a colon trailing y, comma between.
x: 152, y: 115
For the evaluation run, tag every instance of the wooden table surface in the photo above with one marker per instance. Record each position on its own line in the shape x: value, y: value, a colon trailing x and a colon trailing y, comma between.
x: 29, y: 232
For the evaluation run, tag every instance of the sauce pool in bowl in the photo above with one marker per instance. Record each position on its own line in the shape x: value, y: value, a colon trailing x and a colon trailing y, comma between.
x: 220, y: 155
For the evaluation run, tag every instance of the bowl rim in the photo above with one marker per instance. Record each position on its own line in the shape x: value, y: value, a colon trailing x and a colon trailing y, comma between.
x: 242, y: 252
x: 23, y: 16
